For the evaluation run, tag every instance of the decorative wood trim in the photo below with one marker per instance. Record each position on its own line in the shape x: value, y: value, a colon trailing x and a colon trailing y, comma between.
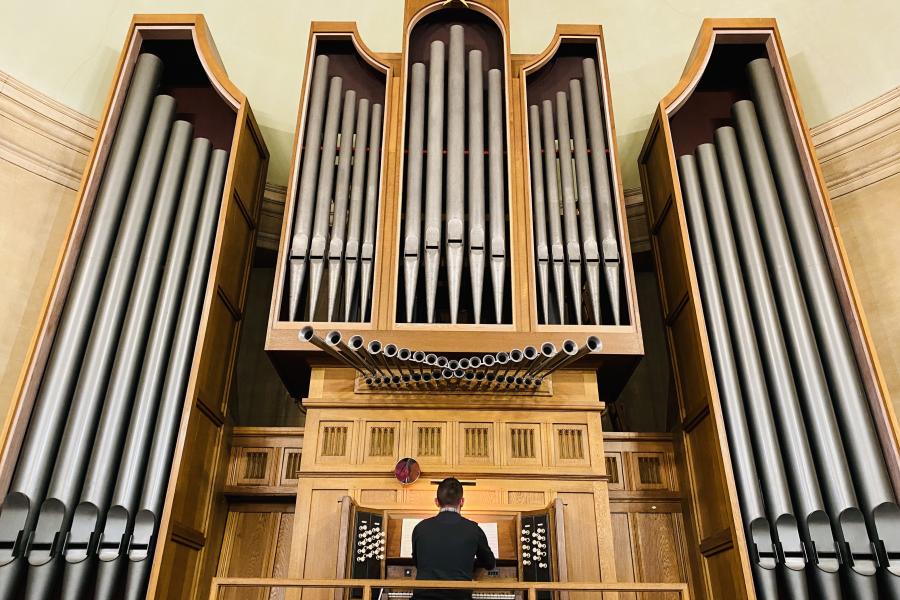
x: 860, y: 147
x: 41, y: 135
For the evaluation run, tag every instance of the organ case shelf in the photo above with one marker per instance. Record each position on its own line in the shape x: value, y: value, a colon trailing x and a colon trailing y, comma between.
x: 183, y: 551
x: 699, y: 104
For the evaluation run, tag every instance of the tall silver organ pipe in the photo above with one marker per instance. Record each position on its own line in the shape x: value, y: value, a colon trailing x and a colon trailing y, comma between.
x: 367, y: 254
x: 434, y: 174
x: 306, y: 195
x: 318, y: 243
x: 412, y: 242
x: 539, y: 209
x: 455, y: 209
x: 497, y: 189
x: 355, y: 216
x: 551, y: 186
x: 590, y: 249
x: 476, y: 180
x: 609, y: 241
x: 335, y: 252
x: 570, y: 219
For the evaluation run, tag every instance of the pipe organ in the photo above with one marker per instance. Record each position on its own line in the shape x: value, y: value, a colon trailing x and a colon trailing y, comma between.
x: 754, y: 280
x: 454, y: 288
x: 120, y: 404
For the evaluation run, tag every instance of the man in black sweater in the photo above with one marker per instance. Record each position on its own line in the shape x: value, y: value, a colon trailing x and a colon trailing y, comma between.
x: 448, y: 546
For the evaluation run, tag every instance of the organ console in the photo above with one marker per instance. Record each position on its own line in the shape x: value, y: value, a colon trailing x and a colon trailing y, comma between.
x: 529, y: 545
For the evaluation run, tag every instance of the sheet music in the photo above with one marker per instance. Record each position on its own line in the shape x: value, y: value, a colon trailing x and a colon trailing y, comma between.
x: 406, y: 537
x: 406, y: 531
x: 490, y: 531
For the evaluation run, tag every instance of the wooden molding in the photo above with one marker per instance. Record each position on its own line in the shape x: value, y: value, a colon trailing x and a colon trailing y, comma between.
x: 861, y: 146
x: 43, y: 136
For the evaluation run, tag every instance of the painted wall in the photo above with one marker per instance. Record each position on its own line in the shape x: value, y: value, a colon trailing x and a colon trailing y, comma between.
x: 842, y: 53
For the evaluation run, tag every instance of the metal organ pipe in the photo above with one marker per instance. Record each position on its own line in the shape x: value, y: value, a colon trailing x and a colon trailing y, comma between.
x: 764, y: 438
x: 87, y: 401
x: 336, y: 239
x: 497, y: 189
x: 570, y: 219
x: 551, y: 186
x: 539, y: 209
x: 434, y: 174
x: 815, y: 526
x: 609, y: 241
x: 837, y: 485
x: 455, y: 178
x: 477, y: 240
x: 585, y: 199
x: 146, y: 523
x: 38, y: 451
x: 123, y: 506
x: 866, y: 459
x: 412, y: 242
x: 354, y: 219
x: 317, y: 245
x: 306, y: 196
x: 87, y: 521
x: 367, y: 254
x: 759, y: 534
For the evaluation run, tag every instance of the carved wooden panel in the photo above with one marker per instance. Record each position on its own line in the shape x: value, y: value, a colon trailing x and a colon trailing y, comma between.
x: 290, y: 466
x: 650, y: 470
x: 254, y: 466
x: 523, y: 443
x: 429, y: 440
x: 526, y: 497
x: 570, y: 444
x: 382, y: 442
x: 334, y: 441
x: 615, y: 471
x: 476, y: 443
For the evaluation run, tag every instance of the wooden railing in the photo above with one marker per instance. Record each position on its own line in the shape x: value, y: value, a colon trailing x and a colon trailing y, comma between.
x: 530, y: 589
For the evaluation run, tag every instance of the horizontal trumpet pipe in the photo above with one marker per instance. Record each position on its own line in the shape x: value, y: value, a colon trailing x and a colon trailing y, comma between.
x: 308, y: 334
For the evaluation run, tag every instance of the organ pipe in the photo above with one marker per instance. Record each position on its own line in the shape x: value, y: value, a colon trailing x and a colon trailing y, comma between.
x: 455, y: 178
x: 99, y: 481
x: 434, y: 174
x: 570, y: 219
x: 412, y: 243
x: 475, y: 180
x: 589, y: 245
x: 38, y: 451
x: 828, y: 450
x: 341, y: 198
x: 866, y: 460
x: 87, y: 401
x: 814, y: 523
x: 757, y: 408
x: 146, y: 523
x: 609, y: 243
x: 354, y: 219
x: 758, y: 531
x: 551, y: 186
x: 123, y: 505
x: 370, y: 211
x: 318, y: 242
x: 496, y: 189
x: 538, y: 209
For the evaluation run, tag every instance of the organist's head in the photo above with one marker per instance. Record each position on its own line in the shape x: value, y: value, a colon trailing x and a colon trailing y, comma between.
x: 449, y: 494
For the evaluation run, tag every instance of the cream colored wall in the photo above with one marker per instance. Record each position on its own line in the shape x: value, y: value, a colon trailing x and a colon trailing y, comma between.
x: 839, y: 50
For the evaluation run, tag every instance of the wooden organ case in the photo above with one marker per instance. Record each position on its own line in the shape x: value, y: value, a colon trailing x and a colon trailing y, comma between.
x: 449, y: 281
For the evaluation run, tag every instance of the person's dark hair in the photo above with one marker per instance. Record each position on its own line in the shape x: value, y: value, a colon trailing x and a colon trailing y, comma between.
x: 449, y: 492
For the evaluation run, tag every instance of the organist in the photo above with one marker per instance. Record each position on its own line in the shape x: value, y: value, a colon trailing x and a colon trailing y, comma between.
x: 448, y: 546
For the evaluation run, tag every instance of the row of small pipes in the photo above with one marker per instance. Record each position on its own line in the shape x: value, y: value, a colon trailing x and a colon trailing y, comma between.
x: 387, y: 366
x: 337, y: 200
